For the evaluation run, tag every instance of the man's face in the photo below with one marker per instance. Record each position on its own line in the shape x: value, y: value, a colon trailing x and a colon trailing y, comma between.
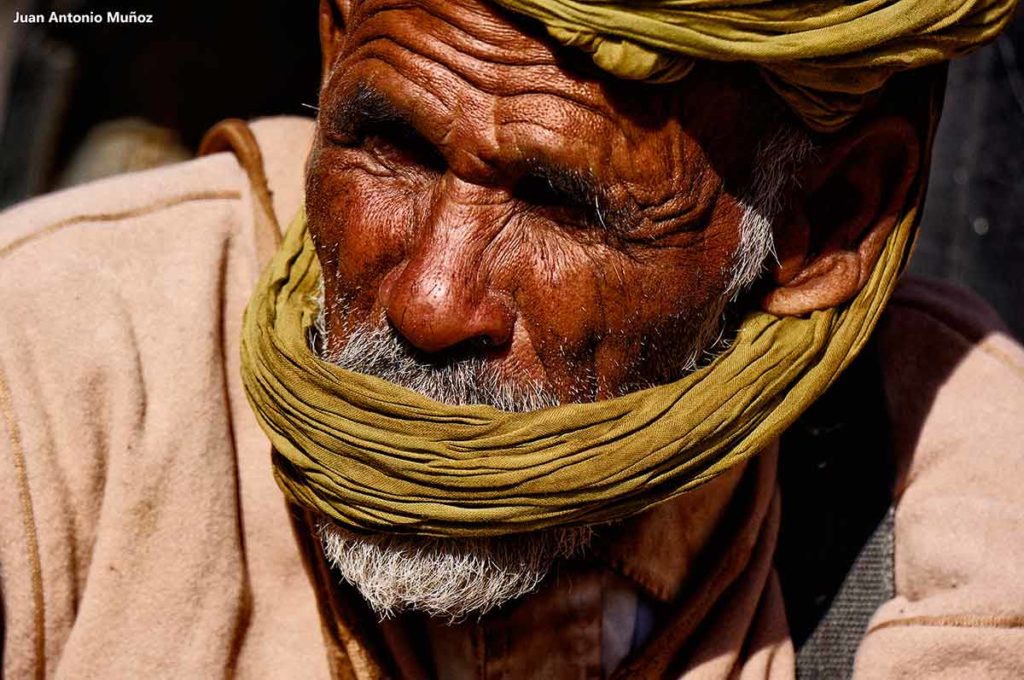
x: 496, y: 227
x: 483, y: 199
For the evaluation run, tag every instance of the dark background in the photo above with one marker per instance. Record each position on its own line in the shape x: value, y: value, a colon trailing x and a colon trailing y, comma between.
x: 201, y: 62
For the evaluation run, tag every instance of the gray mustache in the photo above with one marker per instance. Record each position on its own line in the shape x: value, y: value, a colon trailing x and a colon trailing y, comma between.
x: 457, y: 379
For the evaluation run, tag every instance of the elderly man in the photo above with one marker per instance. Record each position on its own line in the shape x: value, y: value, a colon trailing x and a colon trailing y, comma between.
x: 557, y: 278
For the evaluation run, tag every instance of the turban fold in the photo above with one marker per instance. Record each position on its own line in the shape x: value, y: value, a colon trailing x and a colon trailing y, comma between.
x: 826, y: 58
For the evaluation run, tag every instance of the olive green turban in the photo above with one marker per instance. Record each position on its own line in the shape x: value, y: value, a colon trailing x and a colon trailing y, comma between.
x: 826, y: 58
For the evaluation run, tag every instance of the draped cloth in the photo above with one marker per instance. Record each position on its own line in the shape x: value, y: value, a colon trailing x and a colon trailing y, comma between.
x: 826, y: 58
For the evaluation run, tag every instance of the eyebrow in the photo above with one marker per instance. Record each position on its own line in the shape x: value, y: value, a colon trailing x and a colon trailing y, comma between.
x: 368, y: 107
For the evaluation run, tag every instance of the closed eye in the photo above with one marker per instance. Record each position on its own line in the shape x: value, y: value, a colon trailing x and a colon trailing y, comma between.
x: 368, y: 120
x: 539, y: 191
x: 563, y: 195
x: 397, y: 142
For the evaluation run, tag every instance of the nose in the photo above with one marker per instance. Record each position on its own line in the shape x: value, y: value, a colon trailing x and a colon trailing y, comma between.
x: 436, y: 311
x: 445, y: 294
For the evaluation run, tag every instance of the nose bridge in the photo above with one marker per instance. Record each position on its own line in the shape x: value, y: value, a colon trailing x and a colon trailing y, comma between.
x: 449, y: 253
x: 445, y: 294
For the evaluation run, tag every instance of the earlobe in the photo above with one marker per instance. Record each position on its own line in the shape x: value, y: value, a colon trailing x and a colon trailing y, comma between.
x: 333, y: 19
x: 849, y: 204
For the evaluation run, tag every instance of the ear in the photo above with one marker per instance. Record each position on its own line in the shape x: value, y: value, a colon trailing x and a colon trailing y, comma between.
x: 851, y: 199
x: 333, y: 19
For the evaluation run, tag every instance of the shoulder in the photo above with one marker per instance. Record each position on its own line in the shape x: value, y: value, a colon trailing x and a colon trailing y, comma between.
x: 157, y: 208
x: 112, y: 265
x: 102, y: 227
x: 119, y: 200
x: 150, y: 246
x: 136, y: 270
x: 941, y: 305
x: 116, y: 282
x: 954, y: 384
x: 954, y: 374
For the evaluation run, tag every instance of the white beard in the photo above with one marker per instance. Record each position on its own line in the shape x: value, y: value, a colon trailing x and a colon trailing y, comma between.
x: 446, y: 577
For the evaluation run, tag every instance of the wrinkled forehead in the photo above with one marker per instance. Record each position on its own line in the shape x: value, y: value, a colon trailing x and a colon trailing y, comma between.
x: 497, y: 82
x: 480, y: 43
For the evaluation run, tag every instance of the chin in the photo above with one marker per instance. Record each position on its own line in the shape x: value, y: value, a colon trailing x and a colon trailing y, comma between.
x: 451, y: 578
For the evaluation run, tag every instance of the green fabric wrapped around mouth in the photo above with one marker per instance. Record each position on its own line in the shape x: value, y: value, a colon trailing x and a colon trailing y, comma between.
x: 826, y: 58
x: 377, y: 457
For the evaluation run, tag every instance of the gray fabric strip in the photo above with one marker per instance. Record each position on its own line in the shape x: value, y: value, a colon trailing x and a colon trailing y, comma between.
x: 829, y: 652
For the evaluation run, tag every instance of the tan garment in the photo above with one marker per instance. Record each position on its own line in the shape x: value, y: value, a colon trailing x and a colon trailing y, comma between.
x: 120, y: 317
x: 118, y: 377
x: 955, y: 387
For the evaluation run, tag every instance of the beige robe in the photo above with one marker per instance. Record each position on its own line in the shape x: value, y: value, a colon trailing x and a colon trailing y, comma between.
x: 141, y: 533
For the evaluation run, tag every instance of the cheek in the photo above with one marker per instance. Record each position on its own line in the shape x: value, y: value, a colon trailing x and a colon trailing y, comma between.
x: 685, y: 276
x: 563, y: 288
x: 360, y: 223
x: 639, y: 293
x: 660, y: 299
x: 590, y: 307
